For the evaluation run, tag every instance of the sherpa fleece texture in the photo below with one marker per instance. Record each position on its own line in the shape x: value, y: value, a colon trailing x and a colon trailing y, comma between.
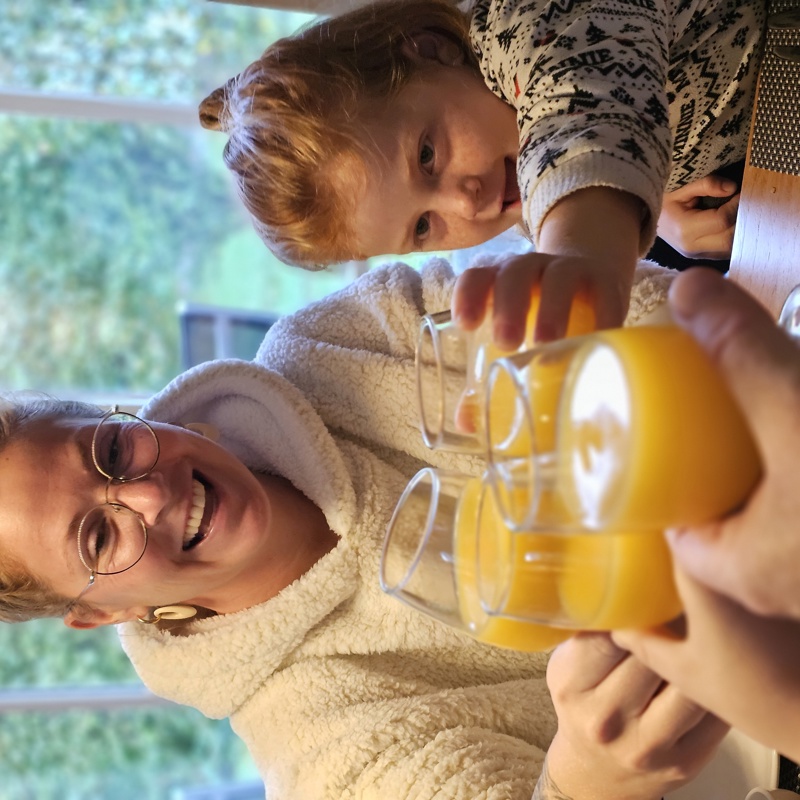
x: 338, y: 690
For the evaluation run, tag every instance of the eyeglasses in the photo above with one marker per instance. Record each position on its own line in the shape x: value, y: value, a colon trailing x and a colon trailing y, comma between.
x: 112, y: 537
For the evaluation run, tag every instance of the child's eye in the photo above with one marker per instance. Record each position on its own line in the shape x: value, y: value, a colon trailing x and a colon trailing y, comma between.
x: 426, y: 156
x: 422, y: 229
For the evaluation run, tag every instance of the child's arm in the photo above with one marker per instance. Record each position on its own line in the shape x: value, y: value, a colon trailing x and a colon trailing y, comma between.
x: 589, y: 245
x: 696, y: 228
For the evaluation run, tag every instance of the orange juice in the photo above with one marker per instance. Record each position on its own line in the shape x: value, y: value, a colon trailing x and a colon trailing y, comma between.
x: 523, y: 410
x: 618, y: 580
x: 483, y: 351
x: 476, y: 532
x: 649, y: 435
x: 589, y: 580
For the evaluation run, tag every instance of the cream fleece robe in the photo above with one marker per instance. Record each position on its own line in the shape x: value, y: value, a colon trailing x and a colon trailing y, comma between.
x: 338, y: 690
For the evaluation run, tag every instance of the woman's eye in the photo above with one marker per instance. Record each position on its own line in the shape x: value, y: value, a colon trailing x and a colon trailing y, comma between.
x: 112, y: 453
x: 100, y: 539
x: 426, y: 155
x: 422, y: 228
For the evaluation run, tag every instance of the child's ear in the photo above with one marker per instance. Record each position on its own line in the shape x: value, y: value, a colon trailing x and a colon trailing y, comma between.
x: 424, y: 45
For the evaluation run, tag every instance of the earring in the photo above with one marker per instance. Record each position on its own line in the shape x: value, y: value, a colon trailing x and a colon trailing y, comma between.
x: 168, y: 612
x: 205, y: 429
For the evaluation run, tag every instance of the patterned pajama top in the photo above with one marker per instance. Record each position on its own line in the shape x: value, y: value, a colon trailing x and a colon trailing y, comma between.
x: 639, y: 95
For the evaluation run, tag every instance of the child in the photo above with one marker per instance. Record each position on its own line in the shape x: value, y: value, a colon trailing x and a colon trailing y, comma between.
x: 273, y: 535
x: 407, y: 126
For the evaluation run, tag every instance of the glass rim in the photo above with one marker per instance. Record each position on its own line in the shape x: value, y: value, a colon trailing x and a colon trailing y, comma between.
x: 430, y: 475
x: 509, y: 366
x: 431, y: 435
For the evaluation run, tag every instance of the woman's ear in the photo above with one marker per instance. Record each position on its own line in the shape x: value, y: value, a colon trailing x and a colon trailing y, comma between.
x: 86, y: 617
x: 425, y: 46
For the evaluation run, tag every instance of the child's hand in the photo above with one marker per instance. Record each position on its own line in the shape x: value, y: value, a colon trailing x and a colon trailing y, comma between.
x: 510, y: 285
x: 623, y: 733
x: 694, y: 229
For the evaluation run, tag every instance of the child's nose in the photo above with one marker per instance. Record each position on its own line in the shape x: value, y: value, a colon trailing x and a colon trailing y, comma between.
x: 147, y: 496
x: 464, y: 197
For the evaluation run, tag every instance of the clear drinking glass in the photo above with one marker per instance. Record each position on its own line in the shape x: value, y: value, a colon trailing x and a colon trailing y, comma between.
x: 429, y: 560
x: 449, y: 385
x: 448, y: 553
x: 624, y: 429
x: 452, y: 367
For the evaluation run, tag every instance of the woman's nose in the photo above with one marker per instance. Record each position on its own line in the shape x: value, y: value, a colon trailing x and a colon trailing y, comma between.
x: 146, y: 496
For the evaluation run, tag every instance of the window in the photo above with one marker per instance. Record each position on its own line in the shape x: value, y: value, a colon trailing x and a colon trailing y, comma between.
x: 117, y: 209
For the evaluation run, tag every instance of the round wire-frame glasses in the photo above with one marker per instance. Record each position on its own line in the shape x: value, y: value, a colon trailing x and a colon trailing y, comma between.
x: 112, y: 537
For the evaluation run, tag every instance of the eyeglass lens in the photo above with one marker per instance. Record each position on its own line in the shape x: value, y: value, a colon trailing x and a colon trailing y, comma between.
x: 124, y: 448
x: 113, y: 537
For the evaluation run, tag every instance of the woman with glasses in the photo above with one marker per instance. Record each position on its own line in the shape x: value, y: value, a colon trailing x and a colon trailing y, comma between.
x: 243, y: 513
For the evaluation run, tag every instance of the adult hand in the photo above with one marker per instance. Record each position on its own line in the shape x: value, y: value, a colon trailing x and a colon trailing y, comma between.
x: 623, y: 734
x: 741, y: 666
x: 751, y: 555
x: 695, y: 230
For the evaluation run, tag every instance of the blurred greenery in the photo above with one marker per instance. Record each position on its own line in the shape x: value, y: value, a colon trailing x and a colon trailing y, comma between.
x: 105, y: 227
x: 171, y: 50
x: 126, y: 754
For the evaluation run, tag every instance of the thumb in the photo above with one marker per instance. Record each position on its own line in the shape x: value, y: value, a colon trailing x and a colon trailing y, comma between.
x: 705, y: 554
x: 759, y: 361
x: 717, y: 186
x: 659, y: 649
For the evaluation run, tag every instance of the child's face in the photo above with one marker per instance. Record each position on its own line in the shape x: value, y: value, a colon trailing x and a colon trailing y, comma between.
x: 48, y: 482
x: 444, y: 174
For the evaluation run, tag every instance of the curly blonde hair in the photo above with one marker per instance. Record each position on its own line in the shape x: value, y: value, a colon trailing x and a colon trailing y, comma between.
x: 294, y: 120
x: 23, y: 596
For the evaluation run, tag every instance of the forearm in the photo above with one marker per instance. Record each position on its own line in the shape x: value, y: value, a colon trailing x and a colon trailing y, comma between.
x: 596, y: 222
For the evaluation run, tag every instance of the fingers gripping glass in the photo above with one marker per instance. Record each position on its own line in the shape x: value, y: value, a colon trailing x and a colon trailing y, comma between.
x: 112, y: 537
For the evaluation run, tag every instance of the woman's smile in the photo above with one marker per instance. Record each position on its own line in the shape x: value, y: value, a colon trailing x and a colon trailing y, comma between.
x: 203, y: 506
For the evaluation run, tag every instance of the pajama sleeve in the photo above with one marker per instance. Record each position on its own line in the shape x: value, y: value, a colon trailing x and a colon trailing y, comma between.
x: 588, y: 82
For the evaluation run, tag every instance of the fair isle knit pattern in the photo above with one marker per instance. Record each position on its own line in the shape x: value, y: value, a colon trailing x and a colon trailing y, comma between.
x: 639, y: 95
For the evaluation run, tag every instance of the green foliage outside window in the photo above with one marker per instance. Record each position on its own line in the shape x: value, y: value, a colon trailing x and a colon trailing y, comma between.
x: 104, y: 228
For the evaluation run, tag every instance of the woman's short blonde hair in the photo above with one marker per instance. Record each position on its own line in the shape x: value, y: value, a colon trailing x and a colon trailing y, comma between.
x: 22, y: 595
x: 294, y: 119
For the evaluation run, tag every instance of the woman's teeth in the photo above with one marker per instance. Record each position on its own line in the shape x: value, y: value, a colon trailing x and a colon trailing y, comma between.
x: 195, y: 514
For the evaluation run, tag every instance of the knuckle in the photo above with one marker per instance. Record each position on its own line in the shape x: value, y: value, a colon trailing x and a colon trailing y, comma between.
x: 604, y: 729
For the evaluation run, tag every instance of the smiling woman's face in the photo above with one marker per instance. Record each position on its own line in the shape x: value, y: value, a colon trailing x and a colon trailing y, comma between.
x: 246, y: 550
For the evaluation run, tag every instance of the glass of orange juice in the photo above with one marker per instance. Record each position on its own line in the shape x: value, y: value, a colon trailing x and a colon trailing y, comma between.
x: 586, y: 580
x: 452, y: 366
x: 625, y: 429
x: 429, y: 560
